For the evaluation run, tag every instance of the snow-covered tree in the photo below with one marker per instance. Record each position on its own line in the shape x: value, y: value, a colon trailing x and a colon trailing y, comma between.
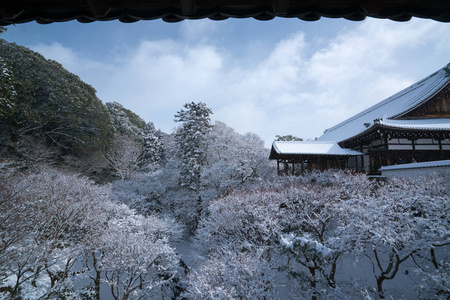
x: 153, y: 148
x: 7, y: 91
x: 125, y: 155
x: 132, y: 255
x: 289, y: 138
x: 136, y: 146
x: 405, y: 220
x: 190, y: 138
x: 236, y: 238
x: 44, y: 219
x: 435, y: 281
x: 318, y: 229
x: 124, y: 121
x: 53, y: 223
x: 312, y: 234
x: 233, y: 160
x: 232, y: 275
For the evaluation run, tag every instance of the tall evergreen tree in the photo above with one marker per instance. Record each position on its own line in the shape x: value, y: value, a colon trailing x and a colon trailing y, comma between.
x: 153, y: 144
x: 190, y: 138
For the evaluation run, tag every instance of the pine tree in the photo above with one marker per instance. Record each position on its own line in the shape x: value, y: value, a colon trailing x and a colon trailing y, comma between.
x: 190, y: 139
x: 153, y: 145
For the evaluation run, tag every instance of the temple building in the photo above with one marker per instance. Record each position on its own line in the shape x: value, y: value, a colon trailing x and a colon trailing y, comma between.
x: 408, y: 127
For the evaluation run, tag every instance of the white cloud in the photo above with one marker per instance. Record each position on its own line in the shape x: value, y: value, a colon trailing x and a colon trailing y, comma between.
x: 197, y: 30
x: 302, y: 87
x: 89, y: 70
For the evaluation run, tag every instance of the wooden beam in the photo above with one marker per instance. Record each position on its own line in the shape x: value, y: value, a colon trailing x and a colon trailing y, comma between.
x: 280, y: 7
x: 10, y: 9
x: 188, y: 7
x: 372, y: 6
x: 99, y: 8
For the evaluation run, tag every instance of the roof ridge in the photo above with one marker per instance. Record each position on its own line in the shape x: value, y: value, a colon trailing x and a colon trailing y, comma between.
x: 397, y: 95
x: 445, y: 78
x: 315, y: 141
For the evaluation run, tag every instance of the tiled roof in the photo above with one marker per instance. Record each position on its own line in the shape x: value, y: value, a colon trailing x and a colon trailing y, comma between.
x: 429, y: 164
x: 47, y: 11
x: 394, y: 106
x: 421, y: 124
x: 311, y: 148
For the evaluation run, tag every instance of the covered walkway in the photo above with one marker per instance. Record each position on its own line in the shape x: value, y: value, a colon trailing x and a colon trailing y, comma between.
x: 294, y: 158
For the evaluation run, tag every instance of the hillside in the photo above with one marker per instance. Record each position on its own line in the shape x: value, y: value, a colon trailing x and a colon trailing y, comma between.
x: 49, y: 104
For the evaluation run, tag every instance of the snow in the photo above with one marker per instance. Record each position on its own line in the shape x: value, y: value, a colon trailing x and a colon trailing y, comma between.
x: 322, y: 148
x: 430, y: 164
x: 291, y: 242
x: 425, y: 124
x: 392, y: 107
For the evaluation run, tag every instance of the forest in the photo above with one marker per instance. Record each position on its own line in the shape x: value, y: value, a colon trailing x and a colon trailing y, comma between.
x: 96, y: 203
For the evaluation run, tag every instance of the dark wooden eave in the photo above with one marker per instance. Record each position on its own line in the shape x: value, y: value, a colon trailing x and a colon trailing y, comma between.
x: 375, y: 132
x: 48, y: 11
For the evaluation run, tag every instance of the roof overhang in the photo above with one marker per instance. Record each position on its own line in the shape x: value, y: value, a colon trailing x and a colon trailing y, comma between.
x: 297, y: 150
x: 431, y: 128
x: 48, y: 11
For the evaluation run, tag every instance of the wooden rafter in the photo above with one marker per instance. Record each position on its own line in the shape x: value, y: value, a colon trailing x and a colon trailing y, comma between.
x: 280, y: 7
x: 99, y: 8
x: 188, y: 7
x: 20, y: 11
x: 10, y: 9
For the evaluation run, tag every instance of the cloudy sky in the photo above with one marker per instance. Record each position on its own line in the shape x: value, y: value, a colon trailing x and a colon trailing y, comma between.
x: 283, y: 76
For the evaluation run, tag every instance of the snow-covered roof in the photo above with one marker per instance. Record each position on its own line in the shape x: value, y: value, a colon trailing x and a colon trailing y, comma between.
x: 416, y: 124
x: 419, y: 124
x: 429, y: 164
x: 312, y: 148
x: 392, y: 107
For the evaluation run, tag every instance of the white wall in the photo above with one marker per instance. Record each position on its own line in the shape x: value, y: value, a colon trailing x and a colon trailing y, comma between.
x: 416, y: 172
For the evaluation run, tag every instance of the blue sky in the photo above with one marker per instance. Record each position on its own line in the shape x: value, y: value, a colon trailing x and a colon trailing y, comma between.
x: 283, y: 76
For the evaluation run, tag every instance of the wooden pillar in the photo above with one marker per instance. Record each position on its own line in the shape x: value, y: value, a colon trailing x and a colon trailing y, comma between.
x: 278, y: 166
x: 441, y: 153
x: 356, y: 163
x: 362, y: 158
x: 293, y: 168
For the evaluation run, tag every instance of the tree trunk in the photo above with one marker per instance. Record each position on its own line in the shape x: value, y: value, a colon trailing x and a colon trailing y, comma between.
x: 97, y: 279
x: 312, y: 271
x: 380, y: 291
